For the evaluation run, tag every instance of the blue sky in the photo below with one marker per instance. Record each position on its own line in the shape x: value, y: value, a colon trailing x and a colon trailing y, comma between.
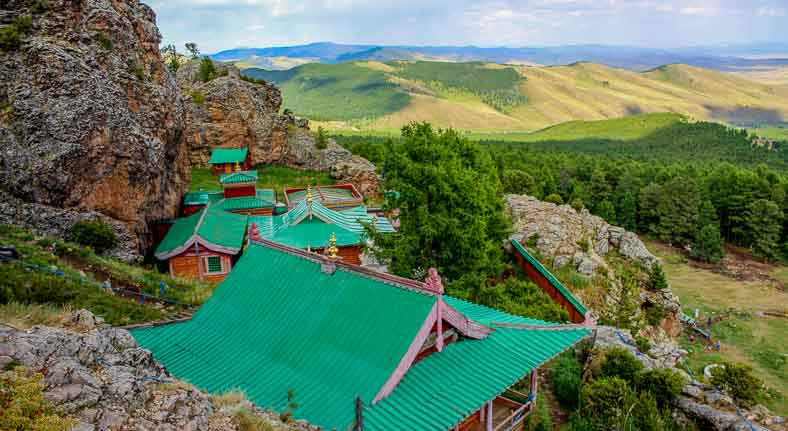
x: 221, y: 24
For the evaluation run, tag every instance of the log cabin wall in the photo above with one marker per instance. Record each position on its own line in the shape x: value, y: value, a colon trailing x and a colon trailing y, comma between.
x: 186, y: 265
x: 222, y: 168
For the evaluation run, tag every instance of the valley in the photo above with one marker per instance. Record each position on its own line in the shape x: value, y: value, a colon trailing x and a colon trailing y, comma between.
x: 492, y: 98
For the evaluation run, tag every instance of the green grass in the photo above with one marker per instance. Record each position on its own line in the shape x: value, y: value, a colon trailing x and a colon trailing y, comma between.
x: 270, y: 177
x: 774, y: 133
x: 342, y: 91
x: 33, y: 282
x: 625, y: 128
x: 745, y: 337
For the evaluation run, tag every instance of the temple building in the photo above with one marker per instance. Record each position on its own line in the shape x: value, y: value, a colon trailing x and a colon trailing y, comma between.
x: 310, y: 224
x: 241, y: 195
x: 359, y: 349
x: 204, y: 245
x: 338, y: 197
x: 225, y: 160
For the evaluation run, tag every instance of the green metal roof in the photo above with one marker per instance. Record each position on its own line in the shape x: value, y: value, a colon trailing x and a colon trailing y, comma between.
x: 238, y: 177
x: 278, y: 323
x: 444, y: 388
x: 243, y: 203
x: 228, y: 155
x: 215, y: 229
x: 550, y: 277
x: 325, y: 194
x: 201, y: 197
x: 267, y: 195
x: 297, y: 229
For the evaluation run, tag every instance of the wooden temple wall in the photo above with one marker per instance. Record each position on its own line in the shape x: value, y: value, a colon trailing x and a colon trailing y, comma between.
x: 192, y: 209
x: 547, y: 287
x: 350, y: 254
x: 237, y: 192
x: 186, y: 265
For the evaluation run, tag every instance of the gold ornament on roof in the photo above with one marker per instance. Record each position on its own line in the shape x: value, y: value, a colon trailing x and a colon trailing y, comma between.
x: 332, y: 246
x: 237, y: 166
x: 309, y: 195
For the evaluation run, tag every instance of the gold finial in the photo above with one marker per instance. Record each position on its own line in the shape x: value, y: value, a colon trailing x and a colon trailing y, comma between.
x: 237, y: 166
x: 332, y: 246
x: 308, y: 194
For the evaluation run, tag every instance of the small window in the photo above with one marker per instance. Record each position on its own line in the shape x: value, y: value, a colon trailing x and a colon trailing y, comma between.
x: 213, y: 264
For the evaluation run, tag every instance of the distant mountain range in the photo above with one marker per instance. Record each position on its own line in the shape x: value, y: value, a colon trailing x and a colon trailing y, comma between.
x: 718, y: 57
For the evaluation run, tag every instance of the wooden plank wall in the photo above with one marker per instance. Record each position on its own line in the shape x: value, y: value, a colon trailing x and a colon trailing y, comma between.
x: 547, y: 287
x: 185, y: 265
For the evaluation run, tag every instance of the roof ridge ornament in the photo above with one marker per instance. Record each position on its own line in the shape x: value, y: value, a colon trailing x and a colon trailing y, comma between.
x: 237, y: 167
x: 433, y: 281
x: 329, y: 266
x: 332, y: 246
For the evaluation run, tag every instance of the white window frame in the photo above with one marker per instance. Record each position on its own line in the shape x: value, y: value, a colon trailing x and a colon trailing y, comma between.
x: 205, y: 266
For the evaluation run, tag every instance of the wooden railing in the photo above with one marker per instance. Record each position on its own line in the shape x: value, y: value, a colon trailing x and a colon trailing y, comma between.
x: 520, y: 412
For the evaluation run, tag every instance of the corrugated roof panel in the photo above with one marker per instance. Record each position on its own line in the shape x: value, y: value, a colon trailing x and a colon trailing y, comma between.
x: 244, y: 203
x: 179, y: 233
x: 278, y: 323
x: 228, y: 155
x: 222, y: 228
x: 238, y: 177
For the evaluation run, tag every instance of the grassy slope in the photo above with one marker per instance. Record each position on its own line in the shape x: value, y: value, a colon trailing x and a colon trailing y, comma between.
x: 745, y: 337
x: 452, y: 94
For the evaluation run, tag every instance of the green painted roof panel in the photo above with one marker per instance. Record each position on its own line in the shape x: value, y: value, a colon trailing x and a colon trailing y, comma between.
x: 550, y: 277
x: 238, y: 177
x: 180, y: 232
x: 278, y: 323
x: 443, y: 389
x: 244, y: 203
x: 228, y: 155
x: 222, y: 228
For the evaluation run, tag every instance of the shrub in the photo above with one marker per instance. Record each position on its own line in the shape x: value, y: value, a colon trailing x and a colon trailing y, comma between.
x: 321, y: 142
x: 737, y: 380
x: 207, y: 70
x: 654, y: 314
x: 584, y: 245
x: 663, y: 383
x: 247, y: 420
x: 647, y: 415
x: 566, y: 375
x: 555, y: 199
x: 532, y: 240
x: 620, y: 363
x: 606, y: 401
x: 643, y: 344
x: 198, y: 97
x: 656, y: 278
x: 93, y: 233
x: 12, y: 34
x: 23, y: 405
x: 104, y: 41
x: 137, y: 71
x: 577, y: 204
x: 253, y: 80
x: 518, y: 181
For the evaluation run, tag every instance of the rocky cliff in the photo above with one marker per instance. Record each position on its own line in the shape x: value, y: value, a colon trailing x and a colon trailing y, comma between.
x: 229, y: 112
x: 102, y: 379
x: 566, y: 237
x: 90, y: 120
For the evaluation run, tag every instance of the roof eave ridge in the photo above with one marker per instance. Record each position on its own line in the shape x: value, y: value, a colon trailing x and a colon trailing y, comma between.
x: 394, y: 280
x: 537, y: 327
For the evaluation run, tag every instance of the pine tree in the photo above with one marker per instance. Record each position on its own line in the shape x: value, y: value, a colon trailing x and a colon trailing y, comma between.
x: 607, y: 211
x: 518, y: 181
x: 627, y: 215
x: 192, y: 48
x: 764, y: 221
x: 707, y: 215
x: 708, y: 244
x: 600, y: 189
x: 656, y: 278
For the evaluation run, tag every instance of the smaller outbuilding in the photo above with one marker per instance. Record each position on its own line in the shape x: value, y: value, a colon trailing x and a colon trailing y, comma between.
x: 204, y: 245
x: 225, y: 160
x: 195, y: 201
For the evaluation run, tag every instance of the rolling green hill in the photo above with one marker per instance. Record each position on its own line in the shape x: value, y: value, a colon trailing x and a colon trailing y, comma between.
x: 485, y: 97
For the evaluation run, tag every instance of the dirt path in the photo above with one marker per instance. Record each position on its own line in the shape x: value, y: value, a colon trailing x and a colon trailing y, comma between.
x: 559, y: 416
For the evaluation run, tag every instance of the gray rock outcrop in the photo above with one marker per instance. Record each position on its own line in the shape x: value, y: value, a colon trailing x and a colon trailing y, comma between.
x: 228, y: 112
x: 90, y: 120
x: 569, y: 236
x: 103, y: 379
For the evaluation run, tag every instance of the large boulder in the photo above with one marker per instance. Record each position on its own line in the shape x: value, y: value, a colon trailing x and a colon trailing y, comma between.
x: 90, y: 120
x: 103, y: 379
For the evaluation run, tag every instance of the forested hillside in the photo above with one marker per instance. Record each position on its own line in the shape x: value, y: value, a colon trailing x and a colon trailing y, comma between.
x: 377, y: 96
x: 671, y: 183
